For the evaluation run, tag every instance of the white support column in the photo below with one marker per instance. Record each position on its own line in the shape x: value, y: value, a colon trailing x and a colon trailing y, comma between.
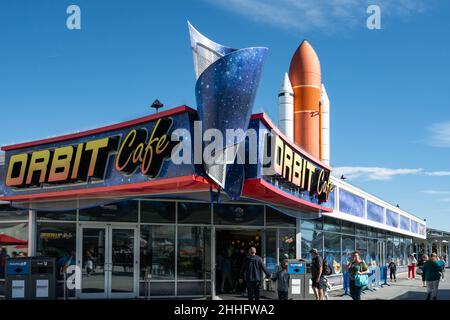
x: 298, y: 240
x: 32, y: 233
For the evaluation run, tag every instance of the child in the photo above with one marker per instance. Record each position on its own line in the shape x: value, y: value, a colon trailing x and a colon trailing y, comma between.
x: 282, y: 278
x: 326, y: 286
x: 392, y: 270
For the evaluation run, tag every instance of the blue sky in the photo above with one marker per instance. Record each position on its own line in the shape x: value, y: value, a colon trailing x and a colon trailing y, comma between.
x: 389, y: 88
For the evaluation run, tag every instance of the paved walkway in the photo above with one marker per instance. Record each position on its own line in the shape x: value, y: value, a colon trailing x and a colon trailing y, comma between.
x: 403, y: 289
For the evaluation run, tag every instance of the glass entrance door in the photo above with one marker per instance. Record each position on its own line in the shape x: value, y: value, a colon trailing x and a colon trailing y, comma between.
x: 108, y: 261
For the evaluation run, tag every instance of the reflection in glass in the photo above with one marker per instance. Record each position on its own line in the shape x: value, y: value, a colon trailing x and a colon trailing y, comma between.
x: 414, y: 226
x: 331, y: 224
x: 93, y: 262
x: 271, y: 250
x: 122, y: 274
x: 57, y: 240
x: 52, y: 215
x: 348, y: 247
x: 239, y: 214
x: 361, y: 246
x: 375, y: 212
x: 392, y: 218
x: 351, y: 203
x: 332, y: 251
x: 157, y: 247
x: 157, y: 211
x: 16, y: 239
x: 372, y: 253
x: 193, y: 213
x: 389, y: 248
x: 194, y: 252
x: 405, y: 223
x: 287, y: 243
x: 125, y: 211
x: 8, y: 213
x: 278, y: 219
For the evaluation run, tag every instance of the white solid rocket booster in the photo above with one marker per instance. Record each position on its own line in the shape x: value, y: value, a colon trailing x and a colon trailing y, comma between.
x: 325, y: 129
x: 286, y: 108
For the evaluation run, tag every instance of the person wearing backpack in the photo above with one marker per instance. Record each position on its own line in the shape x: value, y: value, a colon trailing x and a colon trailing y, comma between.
x: 317, y: 273
x: 358, y: 271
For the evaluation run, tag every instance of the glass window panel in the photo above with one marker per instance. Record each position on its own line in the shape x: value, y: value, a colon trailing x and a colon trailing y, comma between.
x: 307, y: 238
x: 193, y: 288
x: 402, y: 255
x: 271, y: 249
x: 14, y: 241
x: 331, y: 224
x: 414, y: 226
x: 348, y: 247
x: 405, y: 223
x: 361, y: 230
x: 348, y: 227
x: 157, y: 252
x: 351, y: 203
x: 331, y: 200
x: 371, y: 232
x: 332, y: 251
x: 287, y: 243
x: 228, y: 214
x: 373, y: 258
x: 397, y: 251
x: 194, y: 252
x: 58, y: 215
x: 279, y: 219
x: 8, y: 213
x: 361, y: 246
x: 57, y: 240
x: 195, y: 213
x: 157, y: 211
x: 315, y: 224
x: 375, y: 212
x: 389, y: 248
x: 158, y: 289
x: 422, y: 229
x: 125, y: 211
x: 392, y: 218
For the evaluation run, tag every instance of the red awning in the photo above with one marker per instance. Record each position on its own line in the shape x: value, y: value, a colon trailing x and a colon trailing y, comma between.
x: 6, y: 240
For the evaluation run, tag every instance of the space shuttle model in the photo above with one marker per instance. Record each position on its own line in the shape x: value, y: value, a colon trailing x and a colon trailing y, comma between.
x: 303, y: 104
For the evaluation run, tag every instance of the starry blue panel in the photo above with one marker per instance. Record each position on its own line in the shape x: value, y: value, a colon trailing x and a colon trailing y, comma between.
x: 225, y: 94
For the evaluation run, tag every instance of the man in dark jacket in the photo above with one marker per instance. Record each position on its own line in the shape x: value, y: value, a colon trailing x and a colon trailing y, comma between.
x: 251, y: 273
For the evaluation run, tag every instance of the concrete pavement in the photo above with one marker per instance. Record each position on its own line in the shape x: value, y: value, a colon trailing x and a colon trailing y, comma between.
x: 403, y: 289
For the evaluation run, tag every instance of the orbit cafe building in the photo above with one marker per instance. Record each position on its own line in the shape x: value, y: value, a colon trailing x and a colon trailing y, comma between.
x: 150, y: 225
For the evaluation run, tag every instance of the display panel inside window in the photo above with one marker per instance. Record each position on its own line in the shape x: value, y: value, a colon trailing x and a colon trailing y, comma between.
x: 375, y: 212
x: 351, y: 204
x: 391, y: 218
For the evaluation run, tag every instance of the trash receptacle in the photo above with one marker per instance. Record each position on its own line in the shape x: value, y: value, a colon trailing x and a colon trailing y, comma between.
x: 43, y: 278
x: 17, y: 278
x: 299, y: 282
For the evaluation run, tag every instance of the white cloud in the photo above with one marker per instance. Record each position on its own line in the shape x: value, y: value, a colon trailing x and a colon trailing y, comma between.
x: 379, y: 173
x: 438, y: 173
x: 436, y: 192
x: 326, y: 15
x: 373, y: 173
x: 440, y: 135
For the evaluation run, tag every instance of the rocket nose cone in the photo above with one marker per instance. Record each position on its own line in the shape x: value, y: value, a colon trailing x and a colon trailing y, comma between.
x: 305, y: 66
x: 286, y: 85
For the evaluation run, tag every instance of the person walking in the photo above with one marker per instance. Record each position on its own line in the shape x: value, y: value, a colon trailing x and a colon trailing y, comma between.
x: 226, y: 273
x: 282, y: 277
x: 317, y: 273
x: 420, y: 264
x: 442, y: 264
x: 432, y: 271
x: 412, y: 261
x: 356, y: 267
x: 251, y: 273
x: 392, y: 270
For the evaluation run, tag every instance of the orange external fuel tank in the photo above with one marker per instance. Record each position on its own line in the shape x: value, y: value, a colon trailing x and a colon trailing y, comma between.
x: 305, y: 76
